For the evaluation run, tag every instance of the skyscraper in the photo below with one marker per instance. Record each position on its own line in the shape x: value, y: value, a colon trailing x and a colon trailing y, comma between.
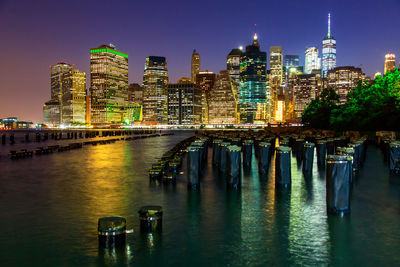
x: 56, y: 79
x: 305, y: 89
x: 343, y: 80
x: 108, y: 84
x: 233, y: 64
x: 222, y: 105
x: 68, y: 96
x: 328, y: 51
x: 277, y: 96
x: 195, y: 66
x: 155, y: 81
x: 205, y: 81
x: 57, y: 72
x: 184, y: 103
x: 390, y: 62
x: 276, y: 65
x: 253, y: 84
x: 312, y: 60
x: 73, y: 99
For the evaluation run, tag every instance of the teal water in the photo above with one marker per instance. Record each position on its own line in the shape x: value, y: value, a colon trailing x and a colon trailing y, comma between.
x: 49, y: 206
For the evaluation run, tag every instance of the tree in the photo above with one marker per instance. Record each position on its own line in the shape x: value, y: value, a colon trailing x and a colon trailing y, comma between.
x: 370, y: 106
x: 318, y: 113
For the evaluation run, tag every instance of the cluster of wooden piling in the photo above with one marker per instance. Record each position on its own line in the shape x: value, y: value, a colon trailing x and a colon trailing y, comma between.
x: 43, y: 150
x: 168, y: 166
x: 341, y: 157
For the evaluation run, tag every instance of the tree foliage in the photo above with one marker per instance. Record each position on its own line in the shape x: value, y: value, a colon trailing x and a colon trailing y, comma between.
x: 370, y: 106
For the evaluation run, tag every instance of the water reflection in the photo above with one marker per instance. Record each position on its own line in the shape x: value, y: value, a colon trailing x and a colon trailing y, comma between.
x: 61, y: 196
x: 115, y: 255
x: 308, y: 231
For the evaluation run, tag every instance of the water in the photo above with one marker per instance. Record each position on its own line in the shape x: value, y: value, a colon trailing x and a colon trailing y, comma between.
x: 50, y: 204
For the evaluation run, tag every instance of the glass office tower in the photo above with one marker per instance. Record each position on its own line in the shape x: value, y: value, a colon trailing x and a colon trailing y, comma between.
x: 253, y: 93
x: 108, y: 84
x: 328, y: 51
x: 155, y: 81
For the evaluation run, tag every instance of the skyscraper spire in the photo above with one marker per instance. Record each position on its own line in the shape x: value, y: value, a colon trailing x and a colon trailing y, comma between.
x: 328, y: 50
x: 329, y: 25
x: 255, y: 37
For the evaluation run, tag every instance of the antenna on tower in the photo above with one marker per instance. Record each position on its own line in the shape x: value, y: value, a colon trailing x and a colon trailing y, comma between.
x: 329, y: 24
x: 255, y: 37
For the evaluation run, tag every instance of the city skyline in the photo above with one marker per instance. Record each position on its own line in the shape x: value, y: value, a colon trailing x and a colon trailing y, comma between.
x: 25, y: 99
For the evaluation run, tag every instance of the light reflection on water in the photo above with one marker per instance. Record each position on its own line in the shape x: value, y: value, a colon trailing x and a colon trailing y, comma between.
x: 50, y: 206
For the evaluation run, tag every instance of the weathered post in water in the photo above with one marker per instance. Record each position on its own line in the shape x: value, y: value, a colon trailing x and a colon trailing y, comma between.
x: 308, y: 158
x: 338, y: 174
x: 234, y: 164
x: 150, y: 218
x: 111, y: 231
x: 283, y: 175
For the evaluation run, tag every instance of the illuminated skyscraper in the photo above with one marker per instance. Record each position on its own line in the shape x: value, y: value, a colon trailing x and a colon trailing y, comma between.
x: 276, y: 65
x: 68, y: 96
x: 305, y: 88
x: 275, y: 82
x: 222, y: 105
x: 53, y: 108
x: 253, y: 95
x: 155, y: 81
x: 184, y: 103
x: 195, y: 66
x: 312, y: 61
x: 73, y: 99
x: 205, y: 81
x: 390, y: 62
x: 343, y: 79
x: 233, y: 64
x: 328, y: 51
x: 108, y: 84
x: 56, y: 79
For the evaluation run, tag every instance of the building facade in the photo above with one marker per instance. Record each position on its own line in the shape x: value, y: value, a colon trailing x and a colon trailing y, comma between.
x: 276, y: 65
x: 277, y: 95
x: 52, y: 111
x: 253, y: 95
x: 390, y: 62
x: 73, y: 100
x: 233, y: 64
x: 306, y: 87
x: 67, y: 105
x: 108, y: 84
x: 205, y: 80
x: 222, y: 105
x: 184, y: 103
x: 195, y: 65
x: 328, y: 51
x: 312, y: 60
x: 135, y: 93
x: 155, y: 82
x: 343, y: 79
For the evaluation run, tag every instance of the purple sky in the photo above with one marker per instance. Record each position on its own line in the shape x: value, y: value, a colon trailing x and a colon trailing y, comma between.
x: 37, y: 34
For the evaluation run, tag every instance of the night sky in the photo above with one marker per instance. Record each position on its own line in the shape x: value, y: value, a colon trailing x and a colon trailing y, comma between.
x: 37, y: 34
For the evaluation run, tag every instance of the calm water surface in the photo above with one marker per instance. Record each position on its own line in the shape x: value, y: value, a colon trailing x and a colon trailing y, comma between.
x: 49, y: 207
